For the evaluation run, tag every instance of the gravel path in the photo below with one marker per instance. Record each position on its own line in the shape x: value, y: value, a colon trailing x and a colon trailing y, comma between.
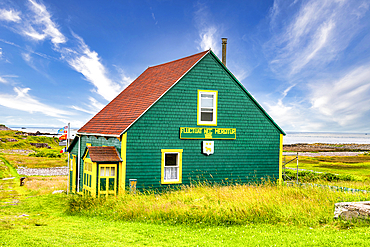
x: 323, y: 154
x: 55, y: 171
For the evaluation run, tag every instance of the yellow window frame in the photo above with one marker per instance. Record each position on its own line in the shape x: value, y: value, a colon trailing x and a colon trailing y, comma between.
x: 73, y: 169
x: 107, y: 191
x: 173, y: 151
x: 89, y: 170
x: 209, y: 123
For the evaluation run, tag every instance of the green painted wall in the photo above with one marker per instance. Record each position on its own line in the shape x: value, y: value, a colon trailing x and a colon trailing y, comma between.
x: 254, y: 153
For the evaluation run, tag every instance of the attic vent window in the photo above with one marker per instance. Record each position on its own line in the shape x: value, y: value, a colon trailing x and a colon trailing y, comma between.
x: 207, y: 107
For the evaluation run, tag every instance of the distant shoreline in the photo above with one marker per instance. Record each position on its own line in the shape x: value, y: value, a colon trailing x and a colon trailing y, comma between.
x: 290, y: 139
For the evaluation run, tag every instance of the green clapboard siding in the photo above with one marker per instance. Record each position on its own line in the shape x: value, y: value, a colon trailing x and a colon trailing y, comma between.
x: 253, y: 155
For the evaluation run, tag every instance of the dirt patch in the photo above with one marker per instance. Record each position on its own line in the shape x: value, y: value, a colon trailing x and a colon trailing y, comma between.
x: 46, y: 185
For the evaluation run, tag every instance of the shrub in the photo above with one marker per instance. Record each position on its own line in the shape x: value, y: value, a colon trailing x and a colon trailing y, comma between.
x: 308, y: 176
x: 46, y: 153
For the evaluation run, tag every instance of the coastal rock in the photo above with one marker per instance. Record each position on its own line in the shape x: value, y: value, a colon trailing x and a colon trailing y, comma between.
x: 352, y: 210
x: 3, y: 127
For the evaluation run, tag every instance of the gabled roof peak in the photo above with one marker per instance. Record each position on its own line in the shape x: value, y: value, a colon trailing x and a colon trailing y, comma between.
x: 116, y: 117
x: 178, y: 60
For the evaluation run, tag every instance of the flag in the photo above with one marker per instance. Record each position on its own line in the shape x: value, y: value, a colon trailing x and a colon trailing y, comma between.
x: 63, y: 150
x: 63, y: 130
x: 63, y: 137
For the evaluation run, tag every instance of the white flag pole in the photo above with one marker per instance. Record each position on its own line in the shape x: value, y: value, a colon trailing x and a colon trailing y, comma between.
x: 69, y: 169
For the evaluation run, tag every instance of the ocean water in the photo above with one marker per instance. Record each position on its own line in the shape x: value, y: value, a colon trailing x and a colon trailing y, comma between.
x: 51, y: 131
x: 290, y: 138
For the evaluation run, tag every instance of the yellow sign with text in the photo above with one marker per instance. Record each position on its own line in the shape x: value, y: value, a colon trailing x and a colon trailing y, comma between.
x: 207, y: 133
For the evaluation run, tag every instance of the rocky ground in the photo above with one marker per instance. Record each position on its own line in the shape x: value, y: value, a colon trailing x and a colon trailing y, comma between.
x: 322, y: 147
x: 55, y: 171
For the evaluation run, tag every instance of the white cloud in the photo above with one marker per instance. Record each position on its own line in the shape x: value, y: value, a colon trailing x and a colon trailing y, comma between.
x: 97, y: 106
x: 93, y: 108
x: 153, y: 16
x: 125, y: 80
x: 274, y: 12
x: 88, y: 63
x: 10, y: 15
x: 208, y: 33
x: 2, y: 80
x: 39, y: 26
x: 24, y: 102
x: 345, y: 100
x: 77, y: 108
x: 36, y: 25
x: 207, y: 39
x: 26, y: 57
x: 42, y: 21
x: 313, y: 36
x: 341, y: 104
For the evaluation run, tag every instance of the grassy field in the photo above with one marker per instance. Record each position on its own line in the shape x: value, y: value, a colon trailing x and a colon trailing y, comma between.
x: 17, y: 149
x: 47, y: 220
x: 353, y: 165
x: 199, y: 215
x: 42, y: 222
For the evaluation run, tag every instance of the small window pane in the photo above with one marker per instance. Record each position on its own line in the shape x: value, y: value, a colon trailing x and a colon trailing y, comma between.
x: 101, y: 171
x: 206, y: 116
x: 107, y: 171
x: 207, y: 102
x: 170, y: 159
x: 103, y: 184
x: 170, y: 173
x: 111, y: 184
x: 209, y: 96
x: 207, y: 110
x: 112, y: 171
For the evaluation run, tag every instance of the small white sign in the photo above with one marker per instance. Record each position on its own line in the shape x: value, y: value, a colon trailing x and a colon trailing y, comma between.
x: 208, y: 147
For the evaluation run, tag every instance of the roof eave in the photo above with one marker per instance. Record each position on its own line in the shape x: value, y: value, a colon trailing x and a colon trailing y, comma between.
x: 98, y: 134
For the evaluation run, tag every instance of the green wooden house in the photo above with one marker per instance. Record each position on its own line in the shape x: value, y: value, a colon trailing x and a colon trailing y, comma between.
x: 180, y: 122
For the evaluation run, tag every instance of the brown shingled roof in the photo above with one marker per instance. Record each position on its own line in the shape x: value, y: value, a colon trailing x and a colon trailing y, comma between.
x: 104, y: 154
x: 139, y: 96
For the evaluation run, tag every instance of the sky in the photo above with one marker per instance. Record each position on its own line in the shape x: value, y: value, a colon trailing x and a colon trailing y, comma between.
x: 306, y: 62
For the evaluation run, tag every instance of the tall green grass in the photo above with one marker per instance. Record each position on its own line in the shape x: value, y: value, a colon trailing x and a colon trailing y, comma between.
x: 220, y: 205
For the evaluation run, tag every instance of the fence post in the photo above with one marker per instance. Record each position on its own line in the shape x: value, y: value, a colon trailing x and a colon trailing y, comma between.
x: 297, y: 167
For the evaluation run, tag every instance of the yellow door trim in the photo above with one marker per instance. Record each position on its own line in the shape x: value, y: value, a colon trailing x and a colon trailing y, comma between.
x: 122, y: 165
x: 281, y: 160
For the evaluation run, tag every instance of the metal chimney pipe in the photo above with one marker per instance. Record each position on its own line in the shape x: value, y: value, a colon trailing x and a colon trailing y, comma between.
x: 224, y: 42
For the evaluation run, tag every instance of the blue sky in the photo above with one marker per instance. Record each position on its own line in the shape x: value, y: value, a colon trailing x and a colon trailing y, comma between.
x: 306, y: 62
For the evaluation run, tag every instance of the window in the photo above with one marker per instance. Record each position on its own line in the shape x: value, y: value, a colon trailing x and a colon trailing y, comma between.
x: 171, y: 166
x: 207, y: 107
x: 107, y: 179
